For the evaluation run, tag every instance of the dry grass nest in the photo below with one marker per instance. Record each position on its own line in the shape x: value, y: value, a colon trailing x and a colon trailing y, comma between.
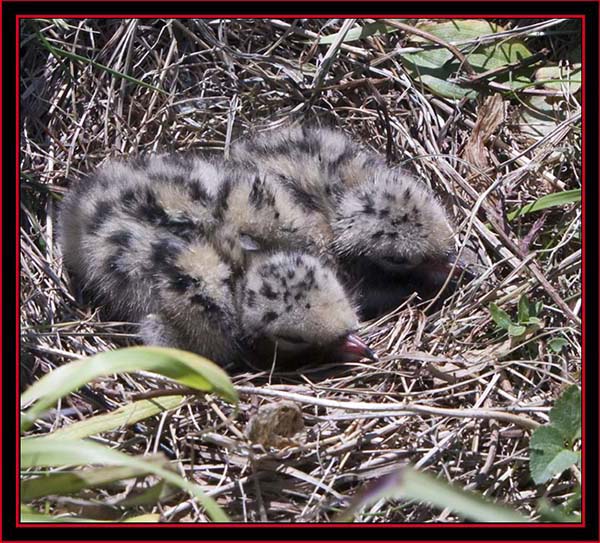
x: 198, y: 84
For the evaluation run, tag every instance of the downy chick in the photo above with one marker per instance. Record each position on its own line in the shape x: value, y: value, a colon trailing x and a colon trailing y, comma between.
x: 315, y: 164
x: 393, y: 237
x: 390, y: 235
x: 110, y: 221
x: 293, y: 307
x: 286, y: 307
x: 151, y: 260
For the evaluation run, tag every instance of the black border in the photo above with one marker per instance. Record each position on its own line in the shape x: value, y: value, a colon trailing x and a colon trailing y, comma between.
x: 298, y: 532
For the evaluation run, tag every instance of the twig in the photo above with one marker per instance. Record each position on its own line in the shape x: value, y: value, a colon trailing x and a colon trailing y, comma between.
x: 401, y: 409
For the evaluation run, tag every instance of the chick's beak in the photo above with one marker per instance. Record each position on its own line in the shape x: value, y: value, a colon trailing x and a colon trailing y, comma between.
x: 353, y: 349
x: 436, y: 271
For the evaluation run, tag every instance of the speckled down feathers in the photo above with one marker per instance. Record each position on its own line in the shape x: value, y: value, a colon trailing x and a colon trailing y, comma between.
x: 147, y: 239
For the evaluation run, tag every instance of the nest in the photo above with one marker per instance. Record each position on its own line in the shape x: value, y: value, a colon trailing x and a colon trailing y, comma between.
x: 444, y: 368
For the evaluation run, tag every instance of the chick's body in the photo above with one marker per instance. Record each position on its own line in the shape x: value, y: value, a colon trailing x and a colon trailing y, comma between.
x: 316, y: 165
x: 146, y: 239
x: 256, y: 213
x: 389, y: 233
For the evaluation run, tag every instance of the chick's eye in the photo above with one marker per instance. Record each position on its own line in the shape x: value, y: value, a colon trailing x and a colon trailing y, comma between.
x: 297, y: 340
x: 396, y: 260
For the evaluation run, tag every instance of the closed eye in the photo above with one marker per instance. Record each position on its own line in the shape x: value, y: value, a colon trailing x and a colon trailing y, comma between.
x: 397, y: 260
x: 291, y: 344
x: 295, y: 340
x: 395, y: 263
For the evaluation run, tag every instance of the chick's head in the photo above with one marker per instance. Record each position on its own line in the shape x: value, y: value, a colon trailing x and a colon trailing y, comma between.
x: 292, y: 306
x: 394, y: 222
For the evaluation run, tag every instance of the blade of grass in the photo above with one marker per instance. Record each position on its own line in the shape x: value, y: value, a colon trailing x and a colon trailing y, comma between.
x: 369, y: 29
x: 45, y: 452
x: 74, y: 56
x: 545, y: 202
x: 410, y: 484
x: 71, y: 482
x: 187, y: 368
x: 124, y: 416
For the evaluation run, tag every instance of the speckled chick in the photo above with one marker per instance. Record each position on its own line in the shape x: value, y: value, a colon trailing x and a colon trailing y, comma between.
x: 286, y: 307
x: 129, y: 238
x: 110, y: 221
x: 390, y: 235
x: 315, y: 164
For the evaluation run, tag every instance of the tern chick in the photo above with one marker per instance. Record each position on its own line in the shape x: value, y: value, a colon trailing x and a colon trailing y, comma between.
x: 390, y: 234
x: 132, y: 241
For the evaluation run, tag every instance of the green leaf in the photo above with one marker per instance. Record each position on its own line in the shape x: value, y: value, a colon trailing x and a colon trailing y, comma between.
x: 565, y: 416
x: 124, y: 416
x: 440, y: 85
x: 523, y: 309
x: 437, y: 67
x: 187, y: 368
x: 359, y: 32
x: 65, y: 483
x: 516, y: 330
x: 150, y: 496
x: 500, y: 317
x: 560, y: 78
x: 410, y: 484
x: 557, y: 344
x: 45, y: 452
x: 548, y: 456
x: 549, y: 513
x: 550, y: 200
x: 533, y: 321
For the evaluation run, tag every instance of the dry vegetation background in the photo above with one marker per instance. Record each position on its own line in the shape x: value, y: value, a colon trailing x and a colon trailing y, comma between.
x: 198, y: 84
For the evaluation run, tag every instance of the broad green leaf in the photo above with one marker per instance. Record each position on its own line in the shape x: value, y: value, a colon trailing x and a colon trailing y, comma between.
x: 516, y: 330
x: 539, y: 116
x: 64, y: 483
x: 457, y: 30
x: 560, y: 78
x: 436, y: 66
x: 565, y: 416
x: 501, y: 317
x: 410, y: 484
x: 548, y: 456
x: 545, y: 464
x: 187, y: 368
x: 124, y: 416
x: 359, y: 32
x: 545, y: 202
x: 440, y: 85
x: 45, y: 452
x: 533, y: 321
x: 557, y: 344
